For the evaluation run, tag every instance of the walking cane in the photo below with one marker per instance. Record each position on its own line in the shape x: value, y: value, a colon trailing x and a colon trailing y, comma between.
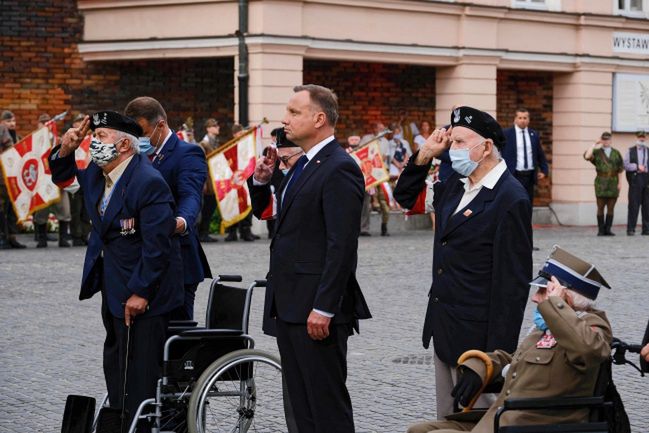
x: 113, y: 420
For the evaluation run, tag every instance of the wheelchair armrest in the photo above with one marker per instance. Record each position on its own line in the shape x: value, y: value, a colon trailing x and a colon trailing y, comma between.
x: 552, y: 403
x: 183, y: 323
x: 547, y: 403
x: 205, y: 332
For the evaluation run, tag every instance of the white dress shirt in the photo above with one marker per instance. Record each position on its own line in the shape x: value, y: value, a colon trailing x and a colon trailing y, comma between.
x: 520, y: 158
x: 488, y: 181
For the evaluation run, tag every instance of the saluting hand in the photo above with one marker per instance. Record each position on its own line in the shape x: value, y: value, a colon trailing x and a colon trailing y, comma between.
x: 554, y: 288
x: 317, y: 326
x: 435, y: 145
x: 645, y: 352
x: 135, y: 305
x: 73, y: 137
x: 266, y: 165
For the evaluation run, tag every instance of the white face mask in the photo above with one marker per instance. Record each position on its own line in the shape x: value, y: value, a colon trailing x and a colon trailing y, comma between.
x: 103, y: 153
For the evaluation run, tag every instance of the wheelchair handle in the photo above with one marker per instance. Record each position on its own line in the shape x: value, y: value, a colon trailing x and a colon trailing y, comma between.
x: 230, y: 278
x: 260, y: 283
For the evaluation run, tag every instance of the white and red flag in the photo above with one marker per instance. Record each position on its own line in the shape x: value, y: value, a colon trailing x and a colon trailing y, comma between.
x: 370, y: 160
x: 230, y: 166
x: 27, y: 172
x: 82, y: 153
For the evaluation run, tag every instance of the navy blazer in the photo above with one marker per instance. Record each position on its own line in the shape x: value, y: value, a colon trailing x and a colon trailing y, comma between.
x: 145, y: 262
x: 509, y: 152
x: 184, y: 169
x: 313, y: 254
x: 482, y: 263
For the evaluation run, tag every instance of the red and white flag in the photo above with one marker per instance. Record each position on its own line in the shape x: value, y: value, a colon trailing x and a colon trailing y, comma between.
x: 370, y: 160
x: 230, y: 166
x: 82, y: 154
x: 27, y: 173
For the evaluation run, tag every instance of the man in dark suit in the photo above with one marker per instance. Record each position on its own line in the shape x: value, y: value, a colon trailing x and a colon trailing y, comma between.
x: 312, y: 288
x: 482, y: 253
x: 133, y: 259
x: 523, y: 154
x: 183, y: 167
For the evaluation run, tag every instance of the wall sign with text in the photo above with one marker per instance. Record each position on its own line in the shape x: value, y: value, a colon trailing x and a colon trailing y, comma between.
x: 632, y: 43
x: 630, y: 102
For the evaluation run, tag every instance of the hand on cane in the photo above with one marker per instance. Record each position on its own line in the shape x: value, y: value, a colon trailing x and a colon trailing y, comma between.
x: 135, y: 305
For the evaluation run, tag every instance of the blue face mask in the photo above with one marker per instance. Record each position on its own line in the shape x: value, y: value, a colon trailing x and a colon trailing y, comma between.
x: 285, y: 171
x: 145, y: 145
x: 539, y: 321
x: 462, y: 162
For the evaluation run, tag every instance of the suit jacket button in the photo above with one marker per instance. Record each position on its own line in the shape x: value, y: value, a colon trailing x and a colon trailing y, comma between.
x: 538, y: 358
x: 513, y: 375
x: 508, y: 392
x: 439, y: 271
x: 560, y: 305
x: 435, y: 299
x: 444, y: 243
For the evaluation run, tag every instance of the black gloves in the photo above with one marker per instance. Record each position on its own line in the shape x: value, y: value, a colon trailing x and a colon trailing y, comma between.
x: 468, y: 384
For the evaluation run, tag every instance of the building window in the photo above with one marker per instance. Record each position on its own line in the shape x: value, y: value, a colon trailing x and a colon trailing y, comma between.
x: 547, y: 5
x: 632, y: 8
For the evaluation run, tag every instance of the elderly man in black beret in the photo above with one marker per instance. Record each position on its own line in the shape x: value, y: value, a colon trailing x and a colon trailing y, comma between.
x: 133, y: 257
x: 482, y: 253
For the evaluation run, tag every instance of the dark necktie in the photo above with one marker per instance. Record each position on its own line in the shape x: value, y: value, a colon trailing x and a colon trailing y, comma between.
x: 525, y: 166
x: 299, y: 166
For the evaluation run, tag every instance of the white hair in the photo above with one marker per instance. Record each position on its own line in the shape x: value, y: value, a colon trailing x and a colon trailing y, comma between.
x: 580, y: 302
x: 135, y: 143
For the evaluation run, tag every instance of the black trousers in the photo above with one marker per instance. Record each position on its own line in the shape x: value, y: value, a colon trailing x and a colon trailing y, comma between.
x: 315, y: 373
x: 526, y: 178
x: 638, y: 201
x: 144, y: 361
x: 185, y: 311
x: 80, y: 221
x: 209, y: 206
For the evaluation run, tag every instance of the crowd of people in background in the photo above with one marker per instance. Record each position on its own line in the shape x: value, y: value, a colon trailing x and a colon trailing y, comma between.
x: 398, y: 140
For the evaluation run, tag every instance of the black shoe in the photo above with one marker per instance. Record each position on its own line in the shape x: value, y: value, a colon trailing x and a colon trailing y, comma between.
x: 255, y: 236
x: 231, y: 237
x: 63, y: 243
x: 535, y: 248
x: 4, y: 245
x: 248, y: 237
x: 13, y: 243
x: 208, y: 239
x: 645, y: 233
x: 365, y: 234
x: 630, y: 233
x: 384, y: 230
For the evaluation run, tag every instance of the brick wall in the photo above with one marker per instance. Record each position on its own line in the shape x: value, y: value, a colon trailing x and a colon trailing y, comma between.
x: 370, y: 92
x: 42, y: 72
x: 532, y: 90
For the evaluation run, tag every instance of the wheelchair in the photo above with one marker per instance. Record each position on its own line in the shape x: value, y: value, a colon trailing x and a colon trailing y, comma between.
x: 213, y: 380
x: 606, y: 410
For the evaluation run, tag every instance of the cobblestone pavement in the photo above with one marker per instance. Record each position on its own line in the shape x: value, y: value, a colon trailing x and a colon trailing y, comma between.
x: 51, y: 344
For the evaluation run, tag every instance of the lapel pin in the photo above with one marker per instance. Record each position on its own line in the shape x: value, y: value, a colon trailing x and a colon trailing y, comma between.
x: 467, y: 213
x: 317, y: 161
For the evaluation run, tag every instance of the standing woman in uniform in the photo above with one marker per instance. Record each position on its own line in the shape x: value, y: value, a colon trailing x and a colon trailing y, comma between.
x: 609, y: 164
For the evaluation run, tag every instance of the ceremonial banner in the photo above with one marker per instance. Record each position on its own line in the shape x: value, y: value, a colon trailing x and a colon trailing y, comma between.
x: 230, y: 166
x: 82, y: 154
x: 369, y: 158
x: 27, y: 174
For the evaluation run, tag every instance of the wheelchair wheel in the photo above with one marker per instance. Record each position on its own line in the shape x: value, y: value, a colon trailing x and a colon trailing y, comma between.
x: 239, y: 392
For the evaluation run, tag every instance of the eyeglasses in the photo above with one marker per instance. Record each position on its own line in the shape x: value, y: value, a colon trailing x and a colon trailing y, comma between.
x: 285, y: 159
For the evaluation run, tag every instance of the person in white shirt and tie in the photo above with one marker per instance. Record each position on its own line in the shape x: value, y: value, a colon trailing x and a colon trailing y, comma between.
x: 523, y: 153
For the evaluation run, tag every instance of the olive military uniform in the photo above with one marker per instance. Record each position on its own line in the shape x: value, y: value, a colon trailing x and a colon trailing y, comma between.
x: 578, y: 344
x: 608, y: 168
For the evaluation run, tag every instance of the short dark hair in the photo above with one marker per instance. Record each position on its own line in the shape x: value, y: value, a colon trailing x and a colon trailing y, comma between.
x: 237, y: 128
x: 522, y: 110
x: 147, y: 108
x: 324, y: 98
x: 7, y: 115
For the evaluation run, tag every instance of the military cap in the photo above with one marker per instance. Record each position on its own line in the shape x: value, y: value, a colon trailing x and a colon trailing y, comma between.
x: 606, y: 135
x: 116, y: 121
x: 479, y: 122
x: 78, y: 118
x: 43, y: 118
x: 640, y: 133
x: 280, y: 138
x: 572, y: 272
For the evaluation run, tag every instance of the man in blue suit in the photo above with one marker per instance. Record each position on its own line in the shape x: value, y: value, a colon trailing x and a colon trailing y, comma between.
x: 482, y: 253
x: 523, y: 154
x: 184, y: 169
x: 133, y: 259
x: 312, y: 289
